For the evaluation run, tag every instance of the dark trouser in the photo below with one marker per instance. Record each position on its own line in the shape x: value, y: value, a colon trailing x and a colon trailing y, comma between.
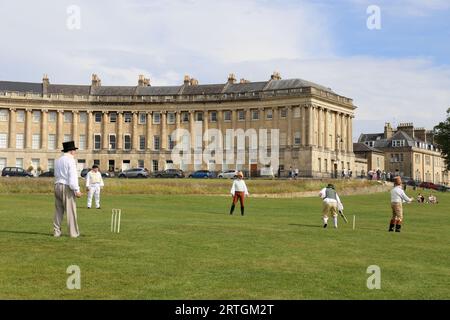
x: 238, y: 195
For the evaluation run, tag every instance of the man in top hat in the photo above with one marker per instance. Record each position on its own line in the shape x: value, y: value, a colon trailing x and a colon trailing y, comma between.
x: 331, y: 204
x: 94, y: 182
x: 66, y: 190
x: 239, y: 191
x: 398, y: 196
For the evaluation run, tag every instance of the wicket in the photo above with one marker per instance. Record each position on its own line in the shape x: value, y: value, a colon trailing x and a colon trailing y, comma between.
x: 115, y: 220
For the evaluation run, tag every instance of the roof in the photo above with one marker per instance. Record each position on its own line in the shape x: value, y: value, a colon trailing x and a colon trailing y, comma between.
x: 364, y: 137
x: 113, y: 91
x: 203, y: 89
x: 292, y: 84
x: 362, y: 147
x: 69, y: 89
x: 21, y: 86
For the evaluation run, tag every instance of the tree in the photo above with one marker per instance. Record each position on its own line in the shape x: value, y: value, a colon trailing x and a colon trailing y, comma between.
x: 442, y: 137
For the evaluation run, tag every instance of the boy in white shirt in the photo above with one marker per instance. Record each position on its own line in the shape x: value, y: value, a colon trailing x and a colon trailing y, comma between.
x: 94, y: 182
x: 398, y: 196
x: 239, y: 191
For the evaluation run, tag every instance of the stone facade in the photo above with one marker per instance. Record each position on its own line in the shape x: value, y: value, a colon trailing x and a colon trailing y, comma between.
x: 122, y: 127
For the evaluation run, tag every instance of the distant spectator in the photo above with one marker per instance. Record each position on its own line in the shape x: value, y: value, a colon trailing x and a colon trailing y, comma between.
x: 420, y: 198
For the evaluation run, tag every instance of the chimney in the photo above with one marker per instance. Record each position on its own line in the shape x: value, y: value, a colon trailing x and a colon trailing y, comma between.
x: 388, y: 132
x: 96, y: 82
x: 194, y: 82
x: 407, y: 128
x: 231, y: 78
x: 275, y: 76
x: 143, y: 82
x: 421, y: 134
x: 45, y: 84
x: 244, y: 81
x: 187, y: 80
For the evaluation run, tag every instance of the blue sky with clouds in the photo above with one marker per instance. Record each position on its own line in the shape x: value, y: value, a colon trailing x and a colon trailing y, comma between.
x: 400, y: 73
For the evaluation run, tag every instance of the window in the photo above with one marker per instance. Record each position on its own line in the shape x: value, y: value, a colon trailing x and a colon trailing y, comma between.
x: 171, y: 118
x: 325, y: 165
x: 51, y: 141
x: 320, y: 164
x: 36, y: 163
x: 51, y: 164
x: 142, y: 118
x: 20, y: 141
x: 112, y: 142
x: 3, y: 140
x: 269, y: 114
x: 97, y: 162
x: 156, y: 143
x: 171, y: 142
x: 68, y: 117
x: 241, y: 115
x: 297, y: 138
x: 52, y: 116
x: 128, y: 116
x: 213, y: 116
x: 398, y: 143
x: 20, y: 116
x: 36, y: 141
x: 98, y: 117
x: 83, y: 117
x: 82, y: 142
x: 297, y: 112
x: 155, y: 166
x: 112, y: 117
x: 283, y: 138
x: 283, y: 113
x: 255, y: 114
x: 127, y: 142
x: 227, y: 115
x: 156, y: 118
x: 67, y: 138
x: 142, y: 142
x: 36, y: 116
x: 97, y: 142
x: 185, y: 117
x: 3, y: 115
x: 199, y: 116
x: 2, y: 163
x: 19, y: 163
x: 141, y: 164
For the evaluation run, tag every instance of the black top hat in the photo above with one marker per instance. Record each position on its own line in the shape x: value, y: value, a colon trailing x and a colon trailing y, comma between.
x: 95, y: 166
x: 330, y: 186
x: 69, y: 146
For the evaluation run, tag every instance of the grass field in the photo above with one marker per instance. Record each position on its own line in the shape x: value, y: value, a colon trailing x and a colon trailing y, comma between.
x: 188, y: 247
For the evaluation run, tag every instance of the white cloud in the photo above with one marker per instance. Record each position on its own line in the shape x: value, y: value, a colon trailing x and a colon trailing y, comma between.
x: 407, y: 7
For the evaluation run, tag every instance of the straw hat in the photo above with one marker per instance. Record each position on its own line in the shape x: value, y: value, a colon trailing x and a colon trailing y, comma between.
x: 240, y: 174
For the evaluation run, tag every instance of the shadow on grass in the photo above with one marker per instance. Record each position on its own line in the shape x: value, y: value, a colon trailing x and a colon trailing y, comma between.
x: 27, y: 232
x: 305, y: 225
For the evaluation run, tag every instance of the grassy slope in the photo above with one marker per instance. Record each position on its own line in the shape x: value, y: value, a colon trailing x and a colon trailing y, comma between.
x: 188, y: 247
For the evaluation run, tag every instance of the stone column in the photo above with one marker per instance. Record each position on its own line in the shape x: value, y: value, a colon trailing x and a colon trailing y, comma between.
x: 75, y: 120
x: 303, y: 139
x: 105, y: 137
x: 192, y: 128
x: 206, y: 127
x: 350, y: 133
x: 233, y: 118
x: 325, y: 135
x: 149, y: 131
x: 319, y: 127
x: 177, y: 125
x: 28, y: 121
x: 261, y: 118
x: 120, y: 130
x: 59, y: 129
x: 310, y: 126
x: 44, y: 129
x: 135, y: 135
x: 89, y: 137
x: 248, y: 119
x: 163, y: 130
x: 289, y: 126
x: 343, y: 135
x: 12, y: 128
x: 337, y: 137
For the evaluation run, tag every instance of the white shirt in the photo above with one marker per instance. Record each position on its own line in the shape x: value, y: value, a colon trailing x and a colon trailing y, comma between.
x: 66, y: 172
x: 398, y: 195
x: 94, y: 178
x: 239, y: 185
x: 323, y: 195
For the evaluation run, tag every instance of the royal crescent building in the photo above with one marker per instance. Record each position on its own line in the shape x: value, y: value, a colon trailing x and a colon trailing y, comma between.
x: 121, y: 127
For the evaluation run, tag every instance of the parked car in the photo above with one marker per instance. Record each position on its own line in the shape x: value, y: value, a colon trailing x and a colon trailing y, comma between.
x: 85, y: 171
x: 442, y: 188
x: 169, y: 173
x: 50, y: 173
x: 202, y: 174
x: 428, y: 185
x: 15, y: 172
x: 228, y: 174
x: 134, y: 173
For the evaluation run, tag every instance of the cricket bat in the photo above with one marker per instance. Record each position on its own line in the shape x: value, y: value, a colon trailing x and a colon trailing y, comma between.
x: 341, y: 212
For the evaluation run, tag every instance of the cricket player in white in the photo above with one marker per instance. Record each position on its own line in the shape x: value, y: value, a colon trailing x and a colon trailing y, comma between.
x: 238, y: 191
x: 331, y: 204
x: 94, y: 182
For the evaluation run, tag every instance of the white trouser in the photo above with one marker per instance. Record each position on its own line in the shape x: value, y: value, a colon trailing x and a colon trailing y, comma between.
x: 94, y: 190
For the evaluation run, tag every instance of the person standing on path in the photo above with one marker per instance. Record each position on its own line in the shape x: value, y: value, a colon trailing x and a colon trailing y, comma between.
x: 67, y: 190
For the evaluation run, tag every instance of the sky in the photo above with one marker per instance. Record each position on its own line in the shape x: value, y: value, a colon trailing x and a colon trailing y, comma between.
x: 398, y: 72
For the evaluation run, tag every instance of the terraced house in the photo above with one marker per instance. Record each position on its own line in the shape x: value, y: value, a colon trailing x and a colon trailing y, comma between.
x: 118, y: 127
x: 409, y: 151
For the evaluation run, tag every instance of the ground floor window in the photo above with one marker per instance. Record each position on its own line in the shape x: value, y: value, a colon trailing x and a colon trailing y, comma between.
x: 155, y: 165
x: 111, y: 165
x: 2, y: 163
x: 141, y: 164
x: 19, y: 163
